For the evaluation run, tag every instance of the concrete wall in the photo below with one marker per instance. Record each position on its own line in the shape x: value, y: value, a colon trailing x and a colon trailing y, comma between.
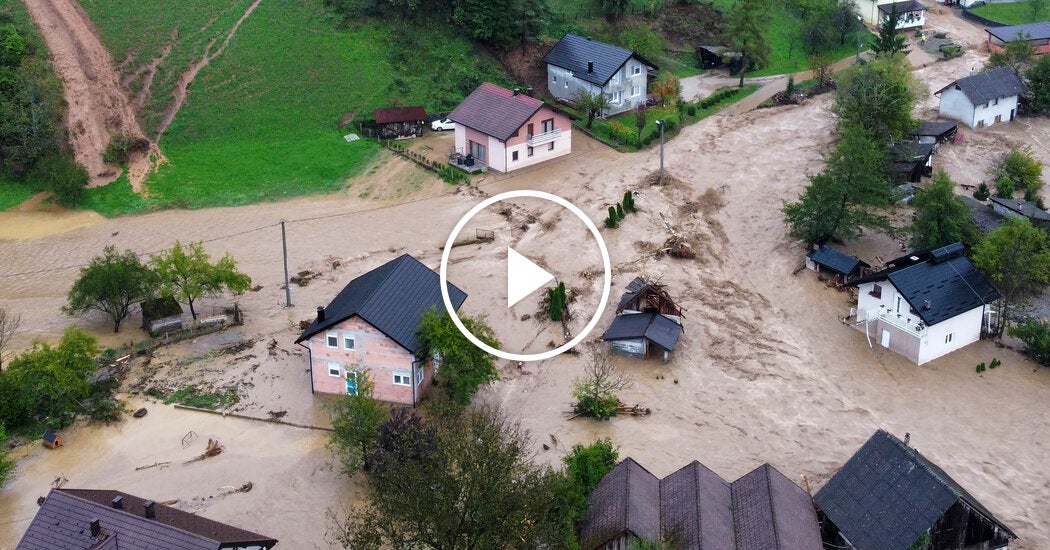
x: 374, y: 353
x: 956, y: 106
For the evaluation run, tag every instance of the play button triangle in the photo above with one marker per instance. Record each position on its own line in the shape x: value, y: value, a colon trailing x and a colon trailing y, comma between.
x: 523, y: 277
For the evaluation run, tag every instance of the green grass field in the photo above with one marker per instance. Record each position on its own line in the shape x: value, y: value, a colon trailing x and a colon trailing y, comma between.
x: 13, y: 193
x: 1014, y: 13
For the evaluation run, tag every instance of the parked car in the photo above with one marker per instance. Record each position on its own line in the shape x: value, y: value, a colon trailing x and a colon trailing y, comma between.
x: 442, y: 124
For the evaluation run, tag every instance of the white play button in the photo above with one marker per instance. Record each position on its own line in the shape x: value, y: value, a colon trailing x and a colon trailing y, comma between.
x: 523, y: 277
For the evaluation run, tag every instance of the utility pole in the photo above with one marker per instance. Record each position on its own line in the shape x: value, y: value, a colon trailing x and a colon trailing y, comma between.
x: 287, y: 285
x: 660, y: 123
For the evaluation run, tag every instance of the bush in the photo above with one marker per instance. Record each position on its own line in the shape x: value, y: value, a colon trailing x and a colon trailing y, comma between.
x: 982, y: 193
x: 1004, y: 187
x: 121, y: 148
x: 619, y: 212
x: 63, y: 177
x: 612, y: 220
x: 620, y: 132
x: 691, y: 110
x: 598, y: 408
x: 951, y: 51
x: 718, y: 97
x: 628, y: 201
x: 587, y: 465
x: 1036, y: 336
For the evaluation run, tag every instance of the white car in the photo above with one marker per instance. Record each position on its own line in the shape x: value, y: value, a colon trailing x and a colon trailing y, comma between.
x: 442, y: 124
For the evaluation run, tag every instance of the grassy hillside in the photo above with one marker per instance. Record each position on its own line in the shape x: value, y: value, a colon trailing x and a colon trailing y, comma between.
x: 261, y: 122
x: 1014, y: 13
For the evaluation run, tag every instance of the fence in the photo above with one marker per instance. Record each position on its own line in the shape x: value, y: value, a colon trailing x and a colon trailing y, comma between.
x: 967, y: 14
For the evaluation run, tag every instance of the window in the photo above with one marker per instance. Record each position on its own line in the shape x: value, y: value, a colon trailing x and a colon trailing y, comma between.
x: 333, y: 340
x: 402, y: 379
x: 348, y: 343
x: 514, y: 156
x: 550, y: 146
x: 566, y: 84
x: 528, y: 152
x: 419, y: 375
x: 635, y: 90
x: 980, y: 124
x: 636, y: 69
x: 617, y: 97
x: 555, y: 79
x: 876, y: 291
x: 948, y: 338
x: 478, y: 151
x: 996, y: 101
x: 548, y: 125
x: 334, y: 369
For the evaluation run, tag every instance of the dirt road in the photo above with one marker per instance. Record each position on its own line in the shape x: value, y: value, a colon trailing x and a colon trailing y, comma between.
x: 97, y: 106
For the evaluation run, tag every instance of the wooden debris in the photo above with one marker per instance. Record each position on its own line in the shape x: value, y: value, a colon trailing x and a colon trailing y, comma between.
x: 214, y: 448
x: 154, y: 465
x: 621, y: 409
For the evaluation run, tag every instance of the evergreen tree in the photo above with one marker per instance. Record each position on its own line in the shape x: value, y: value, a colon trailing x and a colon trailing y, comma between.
x: 747, y: 32
x: 890, y: 41
x: 941, y: 216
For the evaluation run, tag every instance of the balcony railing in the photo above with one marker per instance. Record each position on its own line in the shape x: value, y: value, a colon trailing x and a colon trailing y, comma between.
x: 540, y: 139
x: 900, y: 321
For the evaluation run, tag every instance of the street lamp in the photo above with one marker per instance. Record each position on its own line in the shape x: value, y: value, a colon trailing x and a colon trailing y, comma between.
x: 660, y: 123
x: 860, y: 36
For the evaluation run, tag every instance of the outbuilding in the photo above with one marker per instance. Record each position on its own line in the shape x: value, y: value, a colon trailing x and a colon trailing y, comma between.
x: 824, y: 259
x: 400, y: 122
x: 646, y: 319
x: 1038, y: 34
x: 983, y: 99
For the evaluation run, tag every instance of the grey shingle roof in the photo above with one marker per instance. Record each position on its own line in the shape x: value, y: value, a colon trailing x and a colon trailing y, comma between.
x: 63, y: 521
x: 982, y: 214
x: 1009, y: 33
x: 574, y: 52
x: 392, y: 298
x: 902, y: 7
x: 629, y: 292
x: 939, y: 284
x: 770, y: 512
x: 887, y: 494
x: 627, y: 499
x: 495, y: 111
x: 654, y: 327
x: 989, y: 85
x: 936, y: 128
x: 696, y: 504
x: 1023, y: 208
x: 836, y: 261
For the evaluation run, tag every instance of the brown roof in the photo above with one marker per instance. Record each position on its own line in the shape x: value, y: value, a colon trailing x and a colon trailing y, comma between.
x: 495, y: 111
x: 772, y: 513
x: 627, y: 500
x: 400, y: 114
x: 64, y: 519
x: 696, y: 504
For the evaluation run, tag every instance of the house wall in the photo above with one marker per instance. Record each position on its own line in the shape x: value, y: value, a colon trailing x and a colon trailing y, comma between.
x: 965, y: 329
x: 542, y: 150
x: 956, y: 106
x: 869, y: 11
x: 909, y: 20
x: 1005, y: 212
x: 995, y: 45
x: 563, y: 85
x: 374, y: 353
x: 630, y: 348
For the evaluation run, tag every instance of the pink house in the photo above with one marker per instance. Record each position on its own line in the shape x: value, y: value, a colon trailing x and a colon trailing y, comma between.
x: 507, y: 130
x: 370, y: 327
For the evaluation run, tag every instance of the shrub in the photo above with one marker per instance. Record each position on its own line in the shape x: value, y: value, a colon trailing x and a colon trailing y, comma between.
x: 620, y: 132
x: 587, y: 465
x: 628, y: 201
x: 1036, y: 336
x: 557, y: 302
x: 982, y: 193
x: 63, y: 177
x: 121, y: 148
x: 619, y: 212
x: 598, y: 407
x: 612, y: 221
x: 1004, y: 187
x: 691, y: 110
x: 980, y: 368
x: 951, y: 51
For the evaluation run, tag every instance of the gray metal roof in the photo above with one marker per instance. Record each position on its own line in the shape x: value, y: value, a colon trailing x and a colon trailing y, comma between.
x: 655, y: 327
x: 902, y: 7
x: 836, y: 261
x: 392, y: 298
x: 887, y: 494
x: 495, y: 111
x: 574, y: 53
x: 627, y: 499
x: 1023, y: 207
x: 1033, y: 31
x: 63, y: 521
x: 989, y: 85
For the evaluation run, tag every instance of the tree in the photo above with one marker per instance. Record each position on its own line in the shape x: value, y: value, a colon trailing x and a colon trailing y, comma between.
x: 1036, y: 337
x: 596, y: 390
x: 587, y: 465
x: 48, y: 382
x: 463, y: 367
x: 1036, y: 9
x: 1022, y: 170
x: 9, y: 325
x: 501, y: 24
x: 668, y: 88
x: 747, y: 33
x: 356, y: 422
x: 557, y: 302
x: 1017, y: 54
x: 1039, y: 85
x: 843, y: 197
x: 844, y: 19
x: 188, y: 274
x: 941, y: 216
x: 877, y: 99
x: 890, y: 41
x: 112, y: 283
x: 614, y: 9
x: 457, y: 481
x: 591, y: 104
x: 7, y: 466
x: 1016, y: 258
x: 62, y: 176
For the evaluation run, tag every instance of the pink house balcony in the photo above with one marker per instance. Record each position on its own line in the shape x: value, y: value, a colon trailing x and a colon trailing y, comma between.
x: 545, y: 137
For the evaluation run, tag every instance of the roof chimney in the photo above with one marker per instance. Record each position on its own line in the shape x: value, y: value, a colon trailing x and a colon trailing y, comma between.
x: 590, y: 67
x: 517, y: 91
x: 96, y: 528
x: 320, y: 314
x: 907, y: 438
x: 151, y: 511
x: 118, y: 502
x: 529, y: 91
x: 926, y: 304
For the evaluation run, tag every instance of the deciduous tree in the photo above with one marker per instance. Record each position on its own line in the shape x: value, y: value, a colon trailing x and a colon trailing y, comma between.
x: 357, y: 420
x: 462, y: 366
x: 1016, y: 55
x: 596, y: 390
x: 1039, y: 85
x: 877, y: 99
x: 746, y: 32
x: 188, y: 274
x: 1016, y: 258
x: 941, y: 216
x: 1036, y: 10
x: 591, y: 104
x: 112, y: 283
x: 9, y: 325
x: 586, y: 465
x: 1023, y: 171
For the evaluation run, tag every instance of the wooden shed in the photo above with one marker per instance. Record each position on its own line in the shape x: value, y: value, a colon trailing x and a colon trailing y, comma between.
x: 400, y: 122
x: 824, y: 259
x: 646, y: 319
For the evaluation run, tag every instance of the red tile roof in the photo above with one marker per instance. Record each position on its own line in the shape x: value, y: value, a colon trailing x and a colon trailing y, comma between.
x: 400, y: 114
x: 495, y: 111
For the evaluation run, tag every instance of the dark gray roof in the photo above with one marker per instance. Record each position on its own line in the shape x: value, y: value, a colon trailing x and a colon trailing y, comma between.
x: 1023, y: 208
x: 63, y: 521
x: 982, y: 214
x: 627, y: 499
x: 939, y: 284
x: 392, y: 298
x: 696, y: 505
x: 628, y: 294
x: 495, y: 111
x: 989, y: 85
x: 836, y: 261
x: 910, y: 152
x: 574, y: 52
x: 770, y: 512
x: 1009, y: 33
x: 902, y: 7
x: 936, y: 128
x: 654, y: 327
x: 887, y: 494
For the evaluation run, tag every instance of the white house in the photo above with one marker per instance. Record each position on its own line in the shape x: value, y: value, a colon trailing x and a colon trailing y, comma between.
x: 875, y: 12
x: 982, y: 99
x: 924, y: 305
x: 507, y: 130
x: 577, y: 64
